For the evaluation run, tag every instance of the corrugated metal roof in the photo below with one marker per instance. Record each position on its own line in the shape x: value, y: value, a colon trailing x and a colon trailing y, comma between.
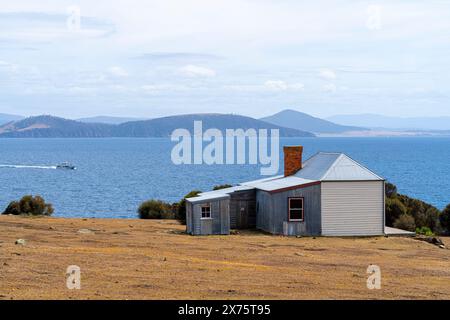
x: 217, y: 194
x: 323, y: 166
x: 345, y: 168
x: 282, y: 183
x: 317, y: 166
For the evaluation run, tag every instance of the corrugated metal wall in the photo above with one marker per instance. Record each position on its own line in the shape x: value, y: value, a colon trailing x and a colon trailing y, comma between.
x: 219, y: 222
x: 242, y: 209
x: 272, y: 212
x: 353, y: 208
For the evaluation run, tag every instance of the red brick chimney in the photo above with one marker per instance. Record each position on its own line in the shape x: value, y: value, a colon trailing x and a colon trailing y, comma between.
x: 292, y: 160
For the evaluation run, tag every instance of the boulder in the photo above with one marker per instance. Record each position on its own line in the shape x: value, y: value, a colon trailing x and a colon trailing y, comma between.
x: 21, y: 242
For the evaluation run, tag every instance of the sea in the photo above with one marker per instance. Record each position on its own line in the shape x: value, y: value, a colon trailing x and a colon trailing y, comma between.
x: 115, y: 175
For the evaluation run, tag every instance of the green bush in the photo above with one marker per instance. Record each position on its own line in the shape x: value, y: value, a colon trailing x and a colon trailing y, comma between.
x: 29, y: 205
x: 391, y: 190
x: 394, y: 209
x: 425, y: 231
x: 223, y: 186
x: 180, y: 214
x: 405, y: 222
x: 155, y: 209
x: 445, y: 219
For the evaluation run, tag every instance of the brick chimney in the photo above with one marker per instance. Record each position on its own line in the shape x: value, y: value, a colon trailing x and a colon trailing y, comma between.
x: 292, y: 160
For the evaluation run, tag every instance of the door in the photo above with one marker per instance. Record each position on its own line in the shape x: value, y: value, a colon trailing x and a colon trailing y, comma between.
x: 246, y: 215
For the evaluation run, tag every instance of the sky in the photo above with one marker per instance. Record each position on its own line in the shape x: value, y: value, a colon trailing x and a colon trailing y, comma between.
x: 150, y: 58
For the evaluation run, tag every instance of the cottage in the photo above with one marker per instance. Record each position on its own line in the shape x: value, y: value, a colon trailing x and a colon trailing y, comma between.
x: 329, y: 194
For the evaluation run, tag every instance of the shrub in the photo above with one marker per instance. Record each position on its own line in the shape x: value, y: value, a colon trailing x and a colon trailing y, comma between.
x: 445, y: 219
x: 391, y: 190
x: 181, y: 208
x: 425, y: 231
x: 405, y: 222
x: 29, y: 205
x: 394, y: 209
x: 155, y: 209
x: 223, y: 186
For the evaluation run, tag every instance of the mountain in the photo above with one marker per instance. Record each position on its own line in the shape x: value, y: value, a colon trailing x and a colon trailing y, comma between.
x: 54, y: 127
x: 5, y: 118
x: 108, y: 119
x: 163, y: 127
x: 299, y: 120
x: 379, y: 121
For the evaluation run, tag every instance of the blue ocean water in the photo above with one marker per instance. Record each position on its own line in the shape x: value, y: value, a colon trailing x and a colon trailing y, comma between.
x: 114, y: 176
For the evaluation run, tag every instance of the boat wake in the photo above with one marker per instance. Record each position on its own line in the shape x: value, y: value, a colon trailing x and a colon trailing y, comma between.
x: 26, y: 167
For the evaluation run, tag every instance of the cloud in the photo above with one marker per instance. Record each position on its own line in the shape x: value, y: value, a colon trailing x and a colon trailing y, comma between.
x: 330, y: 87
x: 43, y: 27
x: 194, y: 71
x: 328, y: 74
x: 178, y: 56
x: 118, y: 72
x: 279, y: 85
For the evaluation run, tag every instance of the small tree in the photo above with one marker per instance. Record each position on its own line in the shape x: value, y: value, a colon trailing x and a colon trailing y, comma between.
x: 181, y: 209
x: 405, y: 222
x: 155, y: 209
x: 29, y: 205
x: 394, y: 209
x: 445, y: 219
x: 391, y: 190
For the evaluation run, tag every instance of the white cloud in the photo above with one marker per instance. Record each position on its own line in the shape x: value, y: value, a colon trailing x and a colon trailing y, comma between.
x: 279, y: 85
x: 330, y: 87
x: 118, y: 72
x: 328, y: 74
x: 197, y: 71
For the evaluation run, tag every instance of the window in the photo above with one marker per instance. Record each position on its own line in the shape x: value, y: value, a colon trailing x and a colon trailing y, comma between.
x: 206, y: 211
x: 296, y: 209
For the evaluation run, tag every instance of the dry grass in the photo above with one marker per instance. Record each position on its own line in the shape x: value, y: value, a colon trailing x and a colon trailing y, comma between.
x: 136, y: 259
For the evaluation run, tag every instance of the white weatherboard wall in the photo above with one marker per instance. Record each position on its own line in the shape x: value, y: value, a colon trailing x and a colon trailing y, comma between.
x: 352, y: 208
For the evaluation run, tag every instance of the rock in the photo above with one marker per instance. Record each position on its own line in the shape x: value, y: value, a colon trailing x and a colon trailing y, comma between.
x: 21, y: 242
x: 85, y: 231
x: 442, y: 246
x: 437, y: 241
x: 51, y: 228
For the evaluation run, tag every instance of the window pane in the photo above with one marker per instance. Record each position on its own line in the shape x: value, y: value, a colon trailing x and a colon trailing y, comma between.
x: 206, y: 212
x: 296, y: 203
x: 296, y: 214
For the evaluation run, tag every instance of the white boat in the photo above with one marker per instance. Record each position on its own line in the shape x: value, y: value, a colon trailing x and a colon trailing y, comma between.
x: 66, y: 166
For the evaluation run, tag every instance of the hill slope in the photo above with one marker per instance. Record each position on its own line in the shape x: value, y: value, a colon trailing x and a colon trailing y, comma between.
x: 163, y: 127
x: 54, y: 127
x: 108, y: 119
x: 299, y: 120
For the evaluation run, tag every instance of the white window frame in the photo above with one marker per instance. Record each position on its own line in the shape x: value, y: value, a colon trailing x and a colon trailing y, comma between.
x: 302, y: 209
x: 205, y: 206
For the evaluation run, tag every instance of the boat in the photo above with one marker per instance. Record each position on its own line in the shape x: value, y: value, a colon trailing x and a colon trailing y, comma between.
x: 66, y: 166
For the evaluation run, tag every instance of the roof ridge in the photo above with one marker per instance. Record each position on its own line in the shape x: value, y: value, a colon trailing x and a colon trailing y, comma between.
x: 362, y: 166
x: 332, y: 165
